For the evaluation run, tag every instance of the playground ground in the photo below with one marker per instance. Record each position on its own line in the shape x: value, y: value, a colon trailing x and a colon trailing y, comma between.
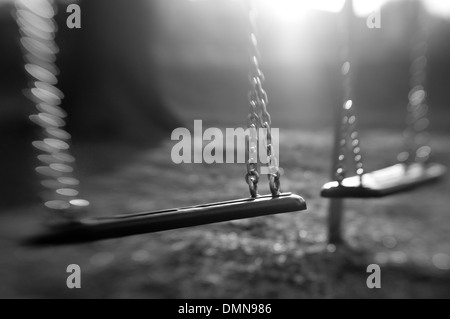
x: 284, y: 256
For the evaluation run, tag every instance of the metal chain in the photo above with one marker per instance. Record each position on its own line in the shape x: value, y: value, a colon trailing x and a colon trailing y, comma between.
x: 259, y: 117
x: 38, y: 29
x: 416, y: 135
x: 349, y: 141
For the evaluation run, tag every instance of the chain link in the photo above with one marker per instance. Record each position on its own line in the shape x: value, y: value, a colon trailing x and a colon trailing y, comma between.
x: 416, y: 136
x: 35, y: 19
x: 259, y: 117
x: 349, y: 142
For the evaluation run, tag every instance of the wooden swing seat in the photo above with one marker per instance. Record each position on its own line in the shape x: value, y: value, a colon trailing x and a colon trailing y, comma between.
x: 92, y: 229
x: 384, y: 182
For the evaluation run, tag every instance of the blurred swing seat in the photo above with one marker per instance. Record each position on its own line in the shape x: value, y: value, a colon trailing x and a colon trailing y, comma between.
x: 92, y: 229
x: 387, y: 181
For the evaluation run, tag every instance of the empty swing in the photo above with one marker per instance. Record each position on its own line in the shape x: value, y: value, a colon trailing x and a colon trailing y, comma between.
x: 414, y: 168
x: 37, y: 25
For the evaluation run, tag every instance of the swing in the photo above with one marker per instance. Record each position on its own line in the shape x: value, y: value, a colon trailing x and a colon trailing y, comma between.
x: 409, y: 173
x: 386, y: 181
x: 91, y: 229
x: 36, y: 22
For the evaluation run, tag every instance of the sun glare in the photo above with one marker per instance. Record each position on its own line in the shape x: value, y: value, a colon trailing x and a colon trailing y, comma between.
x: 292, y: 10
x: 365, y: 8
x: 438, y: 7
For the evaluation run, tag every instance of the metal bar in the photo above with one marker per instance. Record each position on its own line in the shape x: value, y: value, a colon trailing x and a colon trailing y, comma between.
x: 93, y: 229
x: 336, y: 205
x: 335, y: 215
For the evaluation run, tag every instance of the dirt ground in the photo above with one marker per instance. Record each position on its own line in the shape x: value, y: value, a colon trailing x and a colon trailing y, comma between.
x: 284, y: 256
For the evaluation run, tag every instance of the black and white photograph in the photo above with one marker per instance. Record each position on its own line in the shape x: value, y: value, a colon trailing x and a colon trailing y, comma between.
x: 224, y: 155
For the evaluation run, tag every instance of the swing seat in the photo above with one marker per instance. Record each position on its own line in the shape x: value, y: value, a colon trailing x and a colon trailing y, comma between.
x: 92, y: 229
x: 386, y: 181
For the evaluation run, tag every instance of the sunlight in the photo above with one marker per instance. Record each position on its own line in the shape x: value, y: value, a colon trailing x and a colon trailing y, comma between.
x: 438, y: 7
x: 292, y: 10
x: 365, y: 8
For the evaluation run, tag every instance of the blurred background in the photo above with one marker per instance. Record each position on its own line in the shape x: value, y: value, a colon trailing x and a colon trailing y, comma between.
x: 135, y: 71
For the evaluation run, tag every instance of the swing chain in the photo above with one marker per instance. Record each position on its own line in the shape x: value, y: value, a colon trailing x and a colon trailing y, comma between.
x: 259, y: 116
x: 417, y: 122
x: 56, y: 161
x: 349, y: 141
x: 252, y: 177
